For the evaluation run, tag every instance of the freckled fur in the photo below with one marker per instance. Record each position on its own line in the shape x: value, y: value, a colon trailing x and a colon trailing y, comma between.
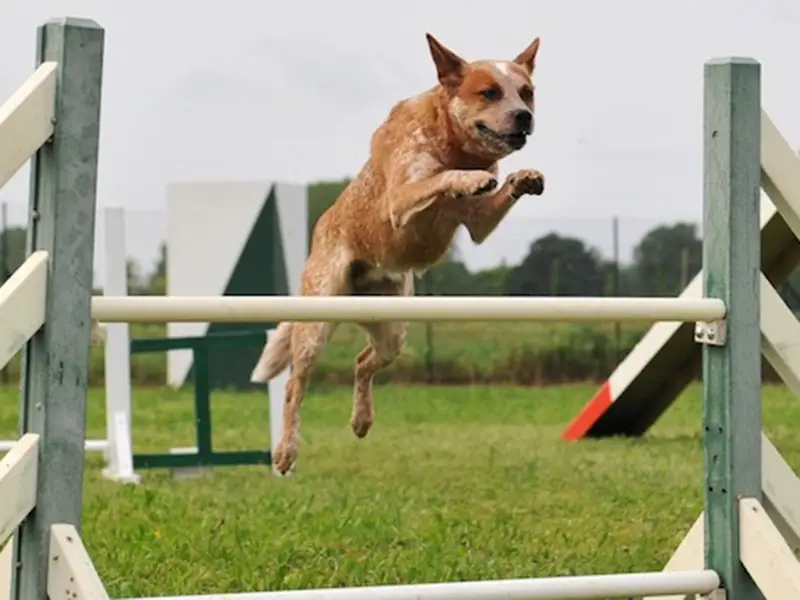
x: 431, y: 169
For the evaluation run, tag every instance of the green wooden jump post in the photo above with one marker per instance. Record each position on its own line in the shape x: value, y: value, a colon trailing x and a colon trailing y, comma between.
x: 732, y: 267
x: 55, y: 362
x: 62, y: 213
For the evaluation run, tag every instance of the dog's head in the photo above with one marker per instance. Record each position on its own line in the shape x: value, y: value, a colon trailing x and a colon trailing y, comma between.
x: 491, y: 102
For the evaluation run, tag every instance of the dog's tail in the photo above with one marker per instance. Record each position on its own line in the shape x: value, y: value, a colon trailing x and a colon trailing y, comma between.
x: 275, y: 357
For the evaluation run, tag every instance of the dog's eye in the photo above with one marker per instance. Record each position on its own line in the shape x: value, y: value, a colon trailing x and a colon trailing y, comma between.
x: 526, y: 94
x: 491, y: 93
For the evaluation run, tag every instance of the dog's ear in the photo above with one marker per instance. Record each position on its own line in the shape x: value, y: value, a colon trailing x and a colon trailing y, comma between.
x: 449, y: 66
x: 527, y: 58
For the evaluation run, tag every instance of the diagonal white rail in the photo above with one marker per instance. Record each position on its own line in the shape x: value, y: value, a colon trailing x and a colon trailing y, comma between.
x: 27, y: 120
x: 585, y: 587
x: 22, y: 305
x: 18, y: 471
x: 232, y: 309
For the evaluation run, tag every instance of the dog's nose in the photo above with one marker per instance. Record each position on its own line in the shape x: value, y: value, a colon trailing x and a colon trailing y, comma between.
x: 523, y: 120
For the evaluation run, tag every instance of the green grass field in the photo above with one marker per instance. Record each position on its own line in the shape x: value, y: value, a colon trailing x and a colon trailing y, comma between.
x: 506, y: 353
x: 451, y: 484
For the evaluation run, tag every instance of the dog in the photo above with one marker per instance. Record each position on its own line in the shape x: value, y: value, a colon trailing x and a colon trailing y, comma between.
x: 432, y: 168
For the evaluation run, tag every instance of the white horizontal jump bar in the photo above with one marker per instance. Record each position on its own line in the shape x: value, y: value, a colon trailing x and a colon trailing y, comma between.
x: 586, y: 587
x: 89, y: 445
x: 232, y: 309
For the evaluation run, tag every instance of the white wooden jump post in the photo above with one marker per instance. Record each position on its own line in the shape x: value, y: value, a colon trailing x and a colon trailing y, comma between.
x: 744, y: 555
x: 118, y: 445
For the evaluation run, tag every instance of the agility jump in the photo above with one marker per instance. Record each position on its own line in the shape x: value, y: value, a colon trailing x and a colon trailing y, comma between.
x: 46, y: 310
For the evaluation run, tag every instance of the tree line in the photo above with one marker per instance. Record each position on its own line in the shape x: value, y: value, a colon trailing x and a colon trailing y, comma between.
x: 664, y: 261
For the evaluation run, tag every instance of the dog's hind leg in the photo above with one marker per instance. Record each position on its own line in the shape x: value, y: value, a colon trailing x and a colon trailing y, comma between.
x: 385, y: 343
x: 322, y: 276
x: 308, y: 342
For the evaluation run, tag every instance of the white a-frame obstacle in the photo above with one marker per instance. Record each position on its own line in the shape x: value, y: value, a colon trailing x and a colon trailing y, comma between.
x: 652, y: 376
x: 745, y: 554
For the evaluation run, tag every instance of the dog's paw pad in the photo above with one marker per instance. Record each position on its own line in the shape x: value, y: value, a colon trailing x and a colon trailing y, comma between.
x: 528, y: 183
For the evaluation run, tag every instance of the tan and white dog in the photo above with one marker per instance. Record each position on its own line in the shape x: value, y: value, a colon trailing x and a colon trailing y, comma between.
x: 432, y: 167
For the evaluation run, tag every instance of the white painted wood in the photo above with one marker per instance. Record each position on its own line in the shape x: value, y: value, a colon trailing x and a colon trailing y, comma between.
x: 780, y: 332
x: 120, y: 454
x: 6, y: 564
x: 22, y: 305
x: 623, y: 585
x: 781, y: 489
x: 117, y: 356
x: 234, y: 309
x: 765, y: 554
x: 26, y: 120
x: 193, y: 218
x: 89, y: 445
x: 780, y: 173
x: 780, y: 336
x: 291, y: 201
x: 18, y: 471
x: 276, y: 388
x: 660, y: 333
x: 70, y: 572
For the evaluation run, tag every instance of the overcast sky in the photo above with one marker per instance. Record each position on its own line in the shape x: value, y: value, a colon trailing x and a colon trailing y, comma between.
x: 253, y: 90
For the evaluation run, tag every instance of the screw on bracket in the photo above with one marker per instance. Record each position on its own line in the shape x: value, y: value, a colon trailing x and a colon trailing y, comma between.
x: 710, y: 333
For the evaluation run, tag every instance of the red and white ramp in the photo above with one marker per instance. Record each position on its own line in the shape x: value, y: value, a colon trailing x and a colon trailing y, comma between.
x: 667, y: 358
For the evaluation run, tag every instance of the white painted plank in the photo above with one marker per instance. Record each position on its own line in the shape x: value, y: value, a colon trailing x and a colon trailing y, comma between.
x: 26, y: 120
x: 6, y: 562
x: 780, y: 173
x: 22, y: 305
x: 70, y: 573
x: 780, y: 336
x: 765, y: 554
x: 18, y: 471
x: 781, y: 489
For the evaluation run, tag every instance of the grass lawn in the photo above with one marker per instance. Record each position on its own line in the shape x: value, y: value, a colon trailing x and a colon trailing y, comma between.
x: 451, y: 484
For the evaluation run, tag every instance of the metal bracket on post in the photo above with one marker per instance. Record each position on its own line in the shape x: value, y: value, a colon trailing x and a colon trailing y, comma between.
x: 717, y: 594
x: 712, y: 333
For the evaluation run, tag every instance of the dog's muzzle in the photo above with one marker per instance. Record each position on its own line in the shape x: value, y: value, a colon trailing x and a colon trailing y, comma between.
x: 515, y: 140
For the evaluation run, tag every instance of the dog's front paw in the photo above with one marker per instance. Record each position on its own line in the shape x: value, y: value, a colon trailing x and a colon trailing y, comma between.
x: 526, y: 182
x: 474, y: 183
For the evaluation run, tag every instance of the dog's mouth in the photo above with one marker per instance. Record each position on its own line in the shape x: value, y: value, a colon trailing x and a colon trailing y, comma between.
x: 512, y: 140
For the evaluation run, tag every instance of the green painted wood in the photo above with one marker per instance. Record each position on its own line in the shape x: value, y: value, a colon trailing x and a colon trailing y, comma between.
x: 56, y: 361
x: 227, y: 458
x: 200, y: 345
x: 231, y: 339
x: 202, y: 402
x: 731, y: 264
